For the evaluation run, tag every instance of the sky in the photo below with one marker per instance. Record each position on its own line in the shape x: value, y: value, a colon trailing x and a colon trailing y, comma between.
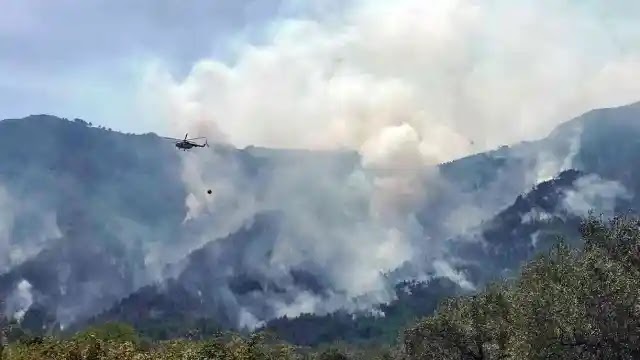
x: 455, y: 71
x: 84, y: 58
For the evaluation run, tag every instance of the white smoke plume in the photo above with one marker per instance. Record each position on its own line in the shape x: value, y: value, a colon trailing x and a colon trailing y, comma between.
x: 536, y: 215
x: 592, y: 192
x: 550, y: 163
x: 408, y: 84
x: 443, y: 269
x: 19, y: 301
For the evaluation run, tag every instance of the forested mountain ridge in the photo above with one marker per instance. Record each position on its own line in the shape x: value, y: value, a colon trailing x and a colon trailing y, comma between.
x: 105, y: 199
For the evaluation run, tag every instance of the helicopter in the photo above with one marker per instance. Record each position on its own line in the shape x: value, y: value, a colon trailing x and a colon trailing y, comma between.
x: 186, y: 144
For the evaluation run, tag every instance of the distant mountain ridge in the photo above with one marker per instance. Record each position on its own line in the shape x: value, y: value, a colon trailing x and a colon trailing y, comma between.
x: 508, y: 224
x: 114, y: 196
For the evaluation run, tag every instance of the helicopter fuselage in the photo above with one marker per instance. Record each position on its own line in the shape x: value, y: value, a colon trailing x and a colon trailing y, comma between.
x: 185, y: 145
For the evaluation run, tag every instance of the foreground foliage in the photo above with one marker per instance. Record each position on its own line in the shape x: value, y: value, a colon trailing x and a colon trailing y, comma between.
x: 568, y: 304
x: 229, y: 347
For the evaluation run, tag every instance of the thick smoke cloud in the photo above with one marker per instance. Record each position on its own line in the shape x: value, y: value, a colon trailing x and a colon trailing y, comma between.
x: 454, y: 70
x: 408, y: 84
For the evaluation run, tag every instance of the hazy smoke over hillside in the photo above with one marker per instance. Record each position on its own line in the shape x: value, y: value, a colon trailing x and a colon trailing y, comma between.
x: 408, y: 84
x: 6, y: 224
x: 592, y: 192
x: 26, y: 225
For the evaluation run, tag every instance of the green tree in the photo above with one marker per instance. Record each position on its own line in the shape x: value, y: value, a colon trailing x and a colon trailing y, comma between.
x: 567, y: 304
x: 474, y: 327
x: 111, y: 331
x: 584, y: 305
